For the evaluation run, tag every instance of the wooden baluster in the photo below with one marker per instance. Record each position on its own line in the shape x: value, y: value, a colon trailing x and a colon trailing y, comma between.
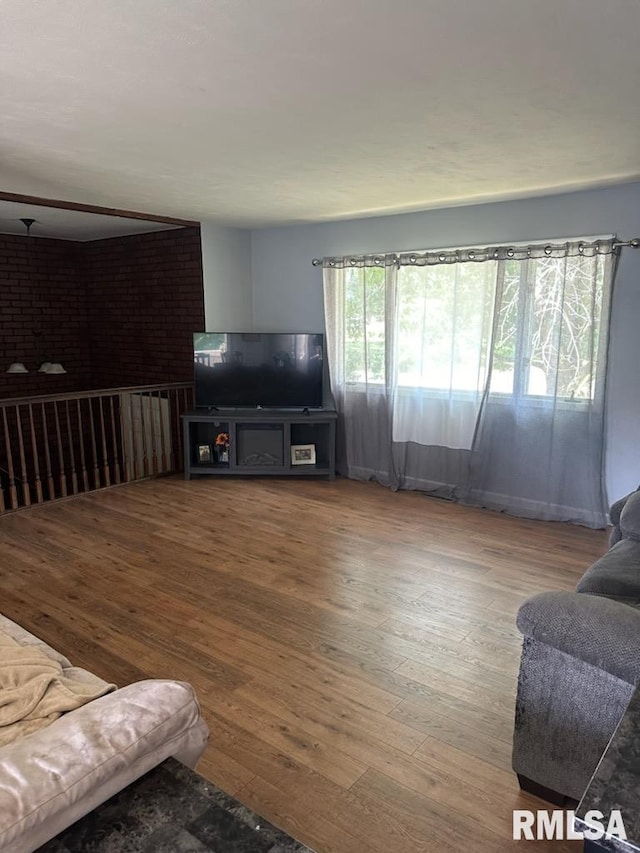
x: 72, y: 455
x: 188, y: 404
x: 83, y: 461
x: 36, y: 461
x: 3, y: 471
x: 163, y: 450
x: 134, y: 443
x: 62, y: 474
x: 103, y: 439
x: 47, y: 455
x: 123, y: 407
x: 2, y: 503
x: 153, y: 439
x: 145, y: 461
x: 171, y: 401
x: 13, y: 492
x: 94, y: 452
x: 178, y: 435
x: 24, y: 474
x: 114, y: 441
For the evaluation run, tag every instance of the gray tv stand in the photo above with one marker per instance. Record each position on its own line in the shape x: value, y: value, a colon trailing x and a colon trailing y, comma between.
x: 260, y: 442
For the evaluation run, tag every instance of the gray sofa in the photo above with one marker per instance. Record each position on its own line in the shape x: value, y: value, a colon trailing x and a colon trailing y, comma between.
x: 580, y: 664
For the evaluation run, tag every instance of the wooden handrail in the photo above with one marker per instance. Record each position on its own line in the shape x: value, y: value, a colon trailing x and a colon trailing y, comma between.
x: 59, y: 445
x: 100, y: 392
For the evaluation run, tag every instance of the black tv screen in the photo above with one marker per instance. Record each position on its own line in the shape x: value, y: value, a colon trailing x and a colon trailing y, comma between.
x: 258, y: 369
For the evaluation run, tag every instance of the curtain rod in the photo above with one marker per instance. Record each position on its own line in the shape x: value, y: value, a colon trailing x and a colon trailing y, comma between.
x: 634, y: 243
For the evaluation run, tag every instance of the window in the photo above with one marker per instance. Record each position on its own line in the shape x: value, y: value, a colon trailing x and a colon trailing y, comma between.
x: 444, y: 326
x: 365, y: 325
x: 534, y: 322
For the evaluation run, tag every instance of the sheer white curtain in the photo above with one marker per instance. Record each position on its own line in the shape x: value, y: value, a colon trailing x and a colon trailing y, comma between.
x: 359, y: 301
x: 444, y: 319
x: 476, y: 374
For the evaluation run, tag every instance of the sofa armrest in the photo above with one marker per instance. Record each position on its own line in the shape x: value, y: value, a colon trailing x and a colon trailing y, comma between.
x: 630, y: 517
x: 51, y: 778
x: 615, y: 512
x: 616, y: 508
x: 596, y: 630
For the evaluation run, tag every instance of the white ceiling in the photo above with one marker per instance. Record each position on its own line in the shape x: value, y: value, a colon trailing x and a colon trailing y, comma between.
x: 256, y: 112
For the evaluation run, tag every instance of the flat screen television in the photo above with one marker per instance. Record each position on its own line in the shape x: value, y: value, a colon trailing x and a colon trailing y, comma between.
x: 258, y: 369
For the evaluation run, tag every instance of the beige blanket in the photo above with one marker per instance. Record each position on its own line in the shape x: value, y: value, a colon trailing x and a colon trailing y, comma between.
x: 35, y: 689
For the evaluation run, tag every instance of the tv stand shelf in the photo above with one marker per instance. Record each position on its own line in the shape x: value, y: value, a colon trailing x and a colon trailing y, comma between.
x: 260, y: 442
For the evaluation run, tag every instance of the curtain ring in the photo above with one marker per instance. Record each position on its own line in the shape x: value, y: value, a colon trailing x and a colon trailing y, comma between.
x: 412, y: 259
x: 471, y: 255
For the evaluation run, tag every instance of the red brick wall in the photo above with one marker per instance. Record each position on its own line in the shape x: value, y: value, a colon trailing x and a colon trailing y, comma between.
x: 145, y: 299
x: 114, y: 312
x: 43, y: 315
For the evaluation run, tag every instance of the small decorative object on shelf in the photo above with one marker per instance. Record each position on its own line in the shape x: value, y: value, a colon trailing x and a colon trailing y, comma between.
x: 222, y: 447
x: 204, y: 454
x: 303, y: 454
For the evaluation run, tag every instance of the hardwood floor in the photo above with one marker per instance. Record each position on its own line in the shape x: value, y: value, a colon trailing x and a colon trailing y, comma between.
x: 354, y: 650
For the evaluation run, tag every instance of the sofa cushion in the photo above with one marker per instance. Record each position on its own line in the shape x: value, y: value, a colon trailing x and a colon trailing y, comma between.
x: 616, y: 575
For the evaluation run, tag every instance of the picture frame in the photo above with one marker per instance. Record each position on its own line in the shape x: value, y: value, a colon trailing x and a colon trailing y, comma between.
x: 205, y: 454
x: 303, y: 454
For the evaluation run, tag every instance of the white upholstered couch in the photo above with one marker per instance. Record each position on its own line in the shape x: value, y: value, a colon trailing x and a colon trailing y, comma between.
x: 54, y: 776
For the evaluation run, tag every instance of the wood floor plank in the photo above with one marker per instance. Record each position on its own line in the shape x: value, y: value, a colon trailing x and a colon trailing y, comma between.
x: 344, y: 826
x: 224, y: 771
x: 425, y: 826
x: 350, y: 727
x: 354, y: 650
x: 422, y: 824
x: 265, y: 659
x: 456, y: 686
x: 287, y: 736
x: 460, y: 763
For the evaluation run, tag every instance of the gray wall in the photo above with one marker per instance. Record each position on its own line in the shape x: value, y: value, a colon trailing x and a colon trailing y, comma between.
x: 287, y: 290
x: 226, y: 273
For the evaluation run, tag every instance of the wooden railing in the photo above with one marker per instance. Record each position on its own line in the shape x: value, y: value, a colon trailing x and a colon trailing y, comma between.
x: 55, y: 446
